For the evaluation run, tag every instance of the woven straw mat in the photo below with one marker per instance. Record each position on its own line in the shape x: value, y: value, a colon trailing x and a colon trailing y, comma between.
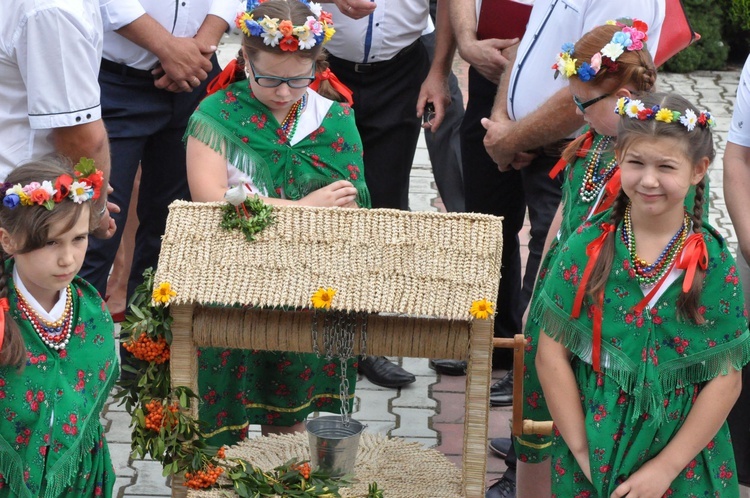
x: 378, y: 260
x: 402, y: 469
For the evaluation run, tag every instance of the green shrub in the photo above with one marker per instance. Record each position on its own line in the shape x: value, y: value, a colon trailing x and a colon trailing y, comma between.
x: 710, y: 52
x: 737, y: 28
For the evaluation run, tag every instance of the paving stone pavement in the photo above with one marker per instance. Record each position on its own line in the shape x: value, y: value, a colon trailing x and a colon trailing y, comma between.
x: 430, y: 411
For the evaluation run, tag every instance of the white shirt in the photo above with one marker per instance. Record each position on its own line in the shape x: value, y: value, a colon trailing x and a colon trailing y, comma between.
x: 50, y: 51
x: 554, y: 22
x: 180, y: 17
x: 739, y: 128
x: 394, y: 25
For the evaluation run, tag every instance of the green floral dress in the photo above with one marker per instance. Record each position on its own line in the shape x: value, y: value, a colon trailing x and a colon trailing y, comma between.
x: 51, y: 441
x: 589, y: 186
x: 653, y: 364
x: 239, y: 387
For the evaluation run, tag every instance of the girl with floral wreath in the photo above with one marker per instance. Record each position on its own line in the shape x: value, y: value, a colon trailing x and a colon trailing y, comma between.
x: 640, y: 361
x: 279, y: 139
x: 591, y: 181
x: 57, y: 351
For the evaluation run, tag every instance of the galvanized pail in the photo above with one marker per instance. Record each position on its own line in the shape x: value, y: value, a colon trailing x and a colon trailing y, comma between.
x: 333, y: 445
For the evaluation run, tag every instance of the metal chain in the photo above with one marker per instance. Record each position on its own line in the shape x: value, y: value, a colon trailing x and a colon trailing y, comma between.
x: 339, y: 329
x: 316, y: 348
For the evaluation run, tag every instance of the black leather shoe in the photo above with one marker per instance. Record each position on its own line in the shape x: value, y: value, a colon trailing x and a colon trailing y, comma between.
x: 381, y: 372
x: 502, y: 488
x: 500, y: 446
x: 501, y: 392
x: 449, y: 367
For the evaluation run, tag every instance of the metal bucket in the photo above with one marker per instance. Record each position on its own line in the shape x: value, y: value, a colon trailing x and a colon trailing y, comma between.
x: 333, y: 446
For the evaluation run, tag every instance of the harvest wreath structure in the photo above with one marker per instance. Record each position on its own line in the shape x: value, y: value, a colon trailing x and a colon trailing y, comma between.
x: 413, y: 284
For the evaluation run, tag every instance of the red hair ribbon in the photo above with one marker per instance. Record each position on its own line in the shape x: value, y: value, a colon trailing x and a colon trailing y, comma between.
x: 5, y: 307
x: 694, y: 254
x: 328, y: 75
x: 557, y: 168
x: 592, y: 251
x: 585, y: 147
x: 596, y: 340
x: 226, y: 77
x: 611, y: 189
x: 581, y: 152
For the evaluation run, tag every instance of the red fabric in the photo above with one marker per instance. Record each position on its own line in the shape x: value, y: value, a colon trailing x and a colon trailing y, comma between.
x: 592, y: 251
x: 596, y: 342
x: 586, y: 145
x: 611, y: 189
x: 328, y: 75
x: 222, y: 80
x: 5, y: 307
x: 694, y: 254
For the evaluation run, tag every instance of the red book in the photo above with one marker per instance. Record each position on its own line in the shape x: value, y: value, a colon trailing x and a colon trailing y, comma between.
x: 504, y: 19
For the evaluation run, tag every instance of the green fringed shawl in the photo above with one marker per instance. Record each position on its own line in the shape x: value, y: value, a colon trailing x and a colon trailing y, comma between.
x: 239, y: 127
x: 653, y: 352
x: 73, y: 383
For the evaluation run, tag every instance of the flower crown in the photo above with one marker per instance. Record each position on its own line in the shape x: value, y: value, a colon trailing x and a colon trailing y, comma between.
x: 630, y: 38
x: 635, y: 109
x: 86, y: 185
x: 283, y: 33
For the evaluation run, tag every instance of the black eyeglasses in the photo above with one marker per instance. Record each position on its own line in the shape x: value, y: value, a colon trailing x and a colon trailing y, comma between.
x: 274, y: 81
x: 583, y: 105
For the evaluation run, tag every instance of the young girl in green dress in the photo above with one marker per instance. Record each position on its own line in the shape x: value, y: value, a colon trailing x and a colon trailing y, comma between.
x: 57, y: 353
x: 591, y: 182
x: 287, y: 143
x: 644, y: 325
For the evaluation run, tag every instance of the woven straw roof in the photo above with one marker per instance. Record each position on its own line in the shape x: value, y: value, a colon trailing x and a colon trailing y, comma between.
x: 378, y: 260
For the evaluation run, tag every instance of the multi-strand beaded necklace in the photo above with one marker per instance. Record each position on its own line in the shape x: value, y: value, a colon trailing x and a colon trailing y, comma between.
x: 54, y: 334
x: 649, y: 275
x: 596, y: 175
x: 289, y: 125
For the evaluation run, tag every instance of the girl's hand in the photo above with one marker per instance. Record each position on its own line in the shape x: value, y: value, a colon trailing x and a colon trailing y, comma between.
x: 338, y: 194
x: 650, y: 481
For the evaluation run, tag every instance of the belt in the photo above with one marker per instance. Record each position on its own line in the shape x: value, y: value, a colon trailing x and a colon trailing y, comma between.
x: 123, y: 70
x: 359, y: 67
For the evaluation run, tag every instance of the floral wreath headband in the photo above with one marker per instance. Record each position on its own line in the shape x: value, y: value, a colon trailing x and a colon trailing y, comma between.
x: 630, y: 38
x: 86, y: 184
x: 635, y: 109
x: 287, y: 36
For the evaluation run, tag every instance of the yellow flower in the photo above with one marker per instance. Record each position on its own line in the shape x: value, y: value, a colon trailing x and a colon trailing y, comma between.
x: 621, y: 106
x: 569, y: 66
x: 482, y: 309
x: 163, y: 293
x: 664, y: 114
x: 328, y: 33
x: 25, y: 199
x: 322, y: 298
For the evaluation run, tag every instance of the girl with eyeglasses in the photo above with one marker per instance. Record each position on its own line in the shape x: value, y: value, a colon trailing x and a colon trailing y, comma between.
x: 271, y: 133
x: 609, y: 62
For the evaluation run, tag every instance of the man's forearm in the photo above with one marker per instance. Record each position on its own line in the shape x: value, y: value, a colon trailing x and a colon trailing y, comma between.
x: 500, y: 107
x: 554, y: 120
x: 147, y: 33
x: 736, y: 188
x: 445, y: 41
x: 212, y: 29
x: 463, y: 19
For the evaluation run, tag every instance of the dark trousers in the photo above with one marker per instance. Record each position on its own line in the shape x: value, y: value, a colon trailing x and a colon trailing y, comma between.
x: 385, y: 100
x: 507, y: 194
x: 444, y: 145
x: 145, y: 126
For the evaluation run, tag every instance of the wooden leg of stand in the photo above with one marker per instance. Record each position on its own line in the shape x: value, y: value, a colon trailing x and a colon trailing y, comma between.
x: 476, y: 417
x: 184, y: 371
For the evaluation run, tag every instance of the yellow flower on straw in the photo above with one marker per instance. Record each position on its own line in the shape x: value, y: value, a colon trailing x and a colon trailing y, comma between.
x: 322, y: 298
x: 163, y: 293
x: 482, y: 309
